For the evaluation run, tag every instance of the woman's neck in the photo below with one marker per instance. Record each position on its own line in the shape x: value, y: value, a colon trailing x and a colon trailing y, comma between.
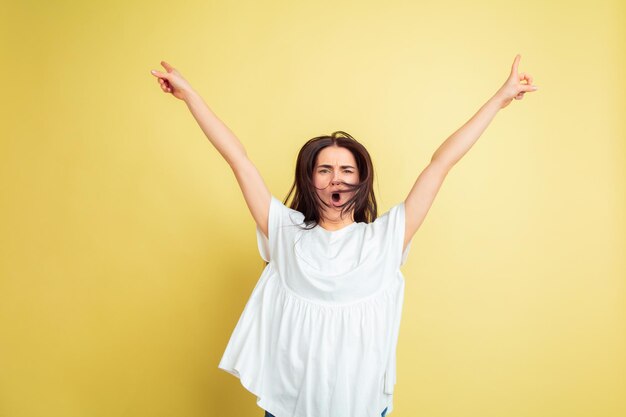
x: 337, y: 222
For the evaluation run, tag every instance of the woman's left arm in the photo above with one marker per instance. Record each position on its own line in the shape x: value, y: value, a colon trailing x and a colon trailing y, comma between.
x: 421, y: 196
x: 453, y: 148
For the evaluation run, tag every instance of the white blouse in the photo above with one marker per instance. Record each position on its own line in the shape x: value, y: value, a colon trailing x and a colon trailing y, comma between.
x: 318, y: 336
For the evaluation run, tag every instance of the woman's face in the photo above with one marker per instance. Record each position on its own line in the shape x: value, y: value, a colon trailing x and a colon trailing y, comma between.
x: 335, y: 168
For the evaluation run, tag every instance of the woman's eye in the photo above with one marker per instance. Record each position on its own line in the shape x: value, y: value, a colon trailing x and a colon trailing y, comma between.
x: 346, y: 171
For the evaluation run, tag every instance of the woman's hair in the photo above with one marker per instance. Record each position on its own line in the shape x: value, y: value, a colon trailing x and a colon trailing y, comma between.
x: 305, y: 199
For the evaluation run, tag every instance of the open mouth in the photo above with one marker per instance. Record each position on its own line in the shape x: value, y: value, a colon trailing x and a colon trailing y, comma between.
x: 336, y: 197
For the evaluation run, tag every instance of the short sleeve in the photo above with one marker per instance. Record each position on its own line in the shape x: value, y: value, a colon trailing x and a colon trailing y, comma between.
x: 402, y: 226
x: 279, y: 217
x: 263, y: 244
x: 393, y: 223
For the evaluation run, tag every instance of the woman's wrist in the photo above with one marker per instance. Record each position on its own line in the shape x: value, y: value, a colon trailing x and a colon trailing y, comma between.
x: 189, y: 94
x: 497, y: 100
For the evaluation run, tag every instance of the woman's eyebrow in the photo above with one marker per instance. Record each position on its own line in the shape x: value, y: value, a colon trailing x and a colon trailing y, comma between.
x: 330, y: 166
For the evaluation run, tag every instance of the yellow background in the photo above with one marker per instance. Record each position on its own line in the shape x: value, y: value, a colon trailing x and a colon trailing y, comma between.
x: 128, y: 252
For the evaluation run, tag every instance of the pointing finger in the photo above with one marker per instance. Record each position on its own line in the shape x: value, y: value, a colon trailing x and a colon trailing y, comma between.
x: 167, y: 66
x: 515, y: 63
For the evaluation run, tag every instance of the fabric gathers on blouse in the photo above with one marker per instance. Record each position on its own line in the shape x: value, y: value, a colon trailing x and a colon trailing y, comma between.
x: 318, y: 335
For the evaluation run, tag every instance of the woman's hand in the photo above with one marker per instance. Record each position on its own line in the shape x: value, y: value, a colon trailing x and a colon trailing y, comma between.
x: 172, y: 82
x: 513, y: 88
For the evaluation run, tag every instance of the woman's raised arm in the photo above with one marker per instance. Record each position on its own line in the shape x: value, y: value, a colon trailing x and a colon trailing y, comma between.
x: 428, y: 183
x: 255, y: 192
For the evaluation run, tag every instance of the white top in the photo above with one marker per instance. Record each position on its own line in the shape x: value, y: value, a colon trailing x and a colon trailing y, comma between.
x: 318, y: 336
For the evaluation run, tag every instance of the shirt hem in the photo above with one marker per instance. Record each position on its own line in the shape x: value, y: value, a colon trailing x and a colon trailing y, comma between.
x: 264, y: 404
x: 260, y: 402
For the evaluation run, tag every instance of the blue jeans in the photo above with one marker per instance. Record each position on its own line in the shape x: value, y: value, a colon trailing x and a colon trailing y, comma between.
x: 267, y: 414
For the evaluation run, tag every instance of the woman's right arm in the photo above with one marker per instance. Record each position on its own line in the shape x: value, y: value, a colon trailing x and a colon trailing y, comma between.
x: 215, y: 130
x: 255, y: 192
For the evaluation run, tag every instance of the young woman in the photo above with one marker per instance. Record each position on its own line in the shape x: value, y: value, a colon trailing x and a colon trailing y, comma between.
x: 318, y: 336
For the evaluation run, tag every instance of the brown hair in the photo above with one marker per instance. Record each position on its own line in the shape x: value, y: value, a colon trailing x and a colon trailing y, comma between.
x: 305, y: 199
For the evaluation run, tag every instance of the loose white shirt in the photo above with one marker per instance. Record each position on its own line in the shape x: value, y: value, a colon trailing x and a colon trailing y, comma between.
x: 318, y: 335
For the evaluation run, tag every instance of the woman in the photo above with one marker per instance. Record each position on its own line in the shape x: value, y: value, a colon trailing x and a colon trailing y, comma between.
x: 318, y: 336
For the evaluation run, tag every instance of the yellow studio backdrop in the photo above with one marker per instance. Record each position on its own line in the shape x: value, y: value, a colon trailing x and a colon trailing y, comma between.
x: 128, y: 252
